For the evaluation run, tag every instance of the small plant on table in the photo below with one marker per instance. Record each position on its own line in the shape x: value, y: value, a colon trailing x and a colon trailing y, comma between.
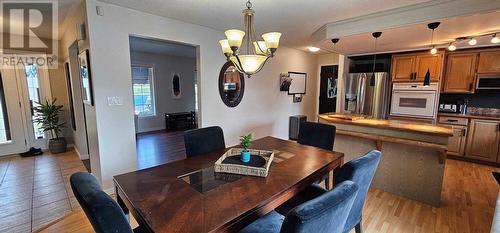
x: 246, y: 142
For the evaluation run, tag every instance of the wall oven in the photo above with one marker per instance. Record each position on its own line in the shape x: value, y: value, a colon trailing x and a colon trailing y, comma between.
x: 414, y: 100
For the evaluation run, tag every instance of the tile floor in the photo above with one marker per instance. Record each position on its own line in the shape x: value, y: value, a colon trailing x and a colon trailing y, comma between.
x: 35, y: 191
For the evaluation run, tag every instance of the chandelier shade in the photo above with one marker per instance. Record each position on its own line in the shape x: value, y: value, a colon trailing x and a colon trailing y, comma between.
x: 246, y: 53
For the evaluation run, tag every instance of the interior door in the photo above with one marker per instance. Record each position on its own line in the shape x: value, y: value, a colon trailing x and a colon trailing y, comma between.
x: 12, y: 133
x: 328, y: 89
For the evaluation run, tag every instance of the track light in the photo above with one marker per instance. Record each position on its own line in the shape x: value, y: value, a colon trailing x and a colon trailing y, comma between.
x: 495, y: 39
x: 313, y: 49
x: 452, y: 47
x: 472, y: 41
x: 434, y: 50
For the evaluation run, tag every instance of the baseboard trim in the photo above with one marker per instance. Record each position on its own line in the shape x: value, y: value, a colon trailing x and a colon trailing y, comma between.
x: 82, y: 157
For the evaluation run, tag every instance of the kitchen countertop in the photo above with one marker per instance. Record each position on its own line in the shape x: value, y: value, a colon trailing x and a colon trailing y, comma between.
x: 423, y: 128
x: 485, y: 117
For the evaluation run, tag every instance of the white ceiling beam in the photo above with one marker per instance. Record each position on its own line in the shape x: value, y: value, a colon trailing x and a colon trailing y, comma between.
x: 404, y: 16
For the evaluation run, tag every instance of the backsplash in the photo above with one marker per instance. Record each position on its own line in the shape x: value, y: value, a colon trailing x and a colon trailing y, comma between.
x: 481, y: 99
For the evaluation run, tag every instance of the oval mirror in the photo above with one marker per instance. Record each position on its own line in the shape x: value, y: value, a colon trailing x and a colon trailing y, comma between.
x: 231, y: 85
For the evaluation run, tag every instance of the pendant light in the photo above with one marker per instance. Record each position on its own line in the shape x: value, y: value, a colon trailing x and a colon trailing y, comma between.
x: 433, y: 26
x: 246, y: 53
x: 375, y: 35
x: 335, y: 41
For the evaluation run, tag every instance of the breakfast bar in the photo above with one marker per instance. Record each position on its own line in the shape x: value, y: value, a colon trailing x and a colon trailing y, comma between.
x: 413, y: 154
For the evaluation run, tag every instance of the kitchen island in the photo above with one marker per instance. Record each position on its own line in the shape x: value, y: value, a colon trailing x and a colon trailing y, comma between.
x: 413, y: 154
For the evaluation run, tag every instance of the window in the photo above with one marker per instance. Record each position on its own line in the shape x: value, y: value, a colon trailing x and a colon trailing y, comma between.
x: 33, y: 81
x: 142, y: 83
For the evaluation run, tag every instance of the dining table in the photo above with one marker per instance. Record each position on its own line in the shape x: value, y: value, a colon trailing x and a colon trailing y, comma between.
x: 189, y: 196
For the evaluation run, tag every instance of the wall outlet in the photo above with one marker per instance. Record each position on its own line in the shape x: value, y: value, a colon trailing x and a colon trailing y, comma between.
x: 115, y: 101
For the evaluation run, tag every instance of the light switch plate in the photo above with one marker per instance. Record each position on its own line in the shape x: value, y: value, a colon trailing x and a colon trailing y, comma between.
x: 115, y: 101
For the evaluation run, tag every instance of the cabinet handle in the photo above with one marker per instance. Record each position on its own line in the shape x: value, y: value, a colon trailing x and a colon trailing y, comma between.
x: 464, y: 132
x: 470, y: 86
x: 452, y: 120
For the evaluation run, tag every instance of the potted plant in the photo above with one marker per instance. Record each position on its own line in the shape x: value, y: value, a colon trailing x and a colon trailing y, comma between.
x: 47, y: 115
x: 246, y: 142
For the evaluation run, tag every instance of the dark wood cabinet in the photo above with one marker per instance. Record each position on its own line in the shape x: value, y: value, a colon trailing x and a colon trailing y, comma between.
x: 460, y: 73
x: 489, y: 62
x: 483, y: 140
x: 413, y: 67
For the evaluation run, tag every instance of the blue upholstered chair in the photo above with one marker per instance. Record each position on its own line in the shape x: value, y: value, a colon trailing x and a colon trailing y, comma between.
x: 318, y: 135
x: 203, y: 140
x: 103, y: 212
x: 361, y: 171
x: 326, y: 213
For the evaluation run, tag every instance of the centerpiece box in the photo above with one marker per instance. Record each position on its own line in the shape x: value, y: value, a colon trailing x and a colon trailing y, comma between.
x: 230, y: 162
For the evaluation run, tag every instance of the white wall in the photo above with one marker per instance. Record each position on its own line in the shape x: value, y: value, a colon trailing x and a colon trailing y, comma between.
x: 75, y: 17
x: 264, y: 110
x: 164, y: 68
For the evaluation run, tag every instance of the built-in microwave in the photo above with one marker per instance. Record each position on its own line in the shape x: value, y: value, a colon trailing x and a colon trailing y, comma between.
x: 488, y: 81
x: 414, y: 100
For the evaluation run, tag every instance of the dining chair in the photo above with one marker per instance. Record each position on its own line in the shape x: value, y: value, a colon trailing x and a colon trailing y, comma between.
x: 105, y: 215
x: 361, y: 171
x: 203, y: 140
x: 325, y: 213
x: 318, y: 135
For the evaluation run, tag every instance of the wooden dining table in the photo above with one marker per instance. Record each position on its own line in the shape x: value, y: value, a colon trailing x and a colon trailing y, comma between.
x: 188, y: 196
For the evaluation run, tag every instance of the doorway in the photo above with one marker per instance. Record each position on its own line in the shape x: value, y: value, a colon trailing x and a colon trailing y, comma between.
x: 22, y: 87
x: 164, y: 88
x: 328, y: 89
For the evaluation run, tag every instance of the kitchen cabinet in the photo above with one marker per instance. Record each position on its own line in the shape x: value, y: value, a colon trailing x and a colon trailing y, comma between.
x: 483, y: 141
x: 489, y: 62
x: 413, y: 67
x: 456, y: 143
x: 460, y: 73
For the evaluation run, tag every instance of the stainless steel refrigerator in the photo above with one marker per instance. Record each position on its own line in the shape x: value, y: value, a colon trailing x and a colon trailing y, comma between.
x: 366, y: 95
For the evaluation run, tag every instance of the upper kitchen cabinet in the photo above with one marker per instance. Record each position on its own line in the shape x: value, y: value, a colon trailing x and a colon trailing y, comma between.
x: 460, y: 73
x: 431, y: 63
x: 402, y: 68
x: 489, y: 62
x: 413, y: 67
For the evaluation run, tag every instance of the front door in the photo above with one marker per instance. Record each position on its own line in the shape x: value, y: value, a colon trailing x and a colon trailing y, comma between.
x: 328, y: 89
x: 12, y: 129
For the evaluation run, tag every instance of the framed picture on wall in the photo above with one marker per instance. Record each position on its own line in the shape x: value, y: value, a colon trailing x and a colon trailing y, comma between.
x: 176, y: 86
x: 297, y: 83
x: 85, y: 75
x: 70, y: 95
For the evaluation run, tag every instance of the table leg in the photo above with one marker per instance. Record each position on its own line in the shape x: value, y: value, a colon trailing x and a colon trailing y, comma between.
x: 122, y: 205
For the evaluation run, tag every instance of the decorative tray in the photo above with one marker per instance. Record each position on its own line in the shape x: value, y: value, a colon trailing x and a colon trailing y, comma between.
x: 260, y: 161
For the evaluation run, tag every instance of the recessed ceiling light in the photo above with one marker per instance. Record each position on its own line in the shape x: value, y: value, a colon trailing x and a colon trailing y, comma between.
x: 472, y: 41
x: 313, y: 49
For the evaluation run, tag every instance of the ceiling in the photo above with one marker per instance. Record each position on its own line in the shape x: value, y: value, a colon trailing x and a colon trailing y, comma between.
x: 296, y: 19
x: 161, y: 47
x: 418, y: 37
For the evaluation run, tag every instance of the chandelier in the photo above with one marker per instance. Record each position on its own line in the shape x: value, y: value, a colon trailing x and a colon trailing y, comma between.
x: 246, y: 53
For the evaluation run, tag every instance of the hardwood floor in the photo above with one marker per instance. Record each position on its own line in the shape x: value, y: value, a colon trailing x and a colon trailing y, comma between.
x: 468, y: 201
x: 159, y: 147
x: 35, y: 191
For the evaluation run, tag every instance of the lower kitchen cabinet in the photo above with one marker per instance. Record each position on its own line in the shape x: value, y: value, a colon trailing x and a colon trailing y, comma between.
x: 456, y: 144
x: 483, y: 141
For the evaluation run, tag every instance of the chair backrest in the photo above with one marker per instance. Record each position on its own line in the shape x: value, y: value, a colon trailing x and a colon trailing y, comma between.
x: 103, y: 212
x: 326, y: 213
x: 361, y: 171
x: 204, y: 140
x: 317, y: 134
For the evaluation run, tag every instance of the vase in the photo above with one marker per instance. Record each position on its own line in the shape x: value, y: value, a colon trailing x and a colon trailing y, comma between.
x: 245, y: 156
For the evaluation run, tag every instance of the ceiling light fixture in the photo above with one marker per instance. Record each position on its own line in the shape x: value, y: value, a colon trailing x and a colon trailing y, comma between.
x: 495, y: 39
x: 452, y: 47
x: 246, y: 53
x: 313, y: 49
x: 335, y: 41
x: 433, y: 26
x: 375, y: 35
x: 472, y: 41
